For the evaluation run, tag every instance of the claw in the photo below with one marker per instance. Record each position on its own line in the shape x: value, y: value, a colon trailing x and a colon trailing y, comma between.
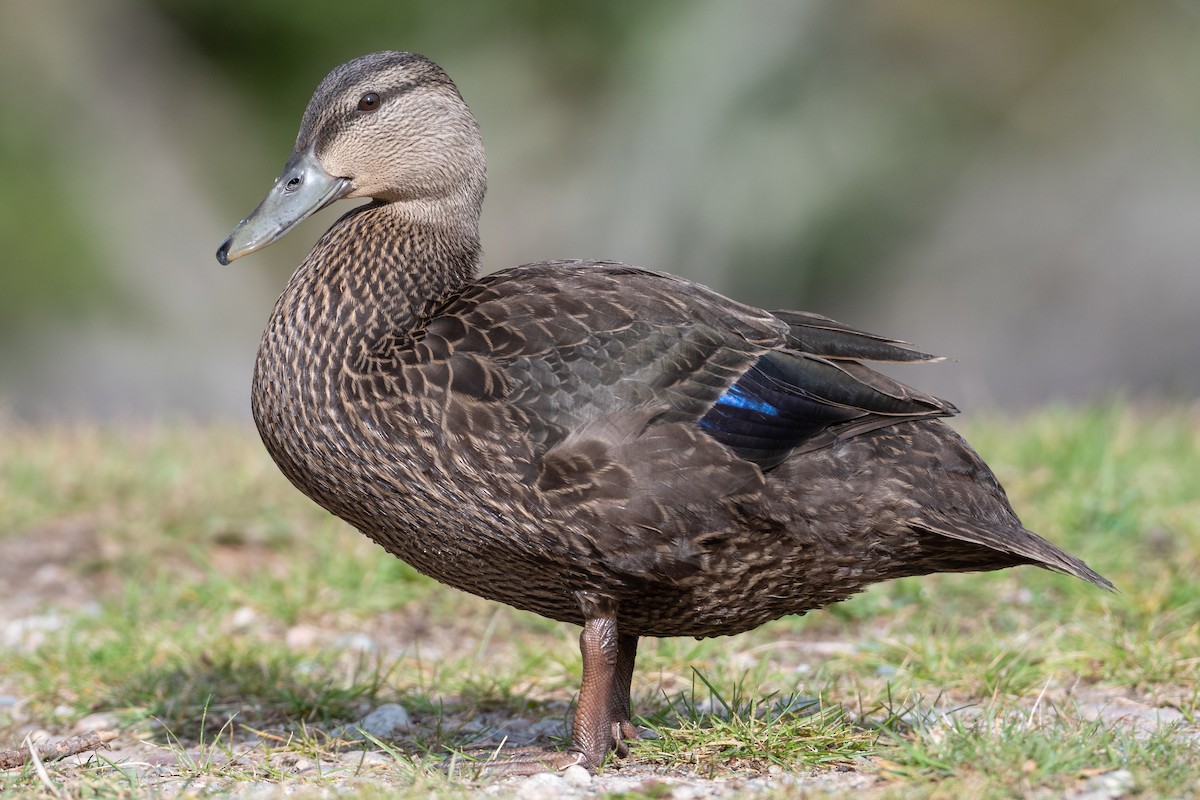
x: 623, y: 732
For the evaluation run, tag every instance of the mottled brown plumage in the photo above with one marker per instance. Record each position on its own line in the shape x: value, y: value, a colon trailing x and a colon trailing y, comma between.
x: 600, y: 444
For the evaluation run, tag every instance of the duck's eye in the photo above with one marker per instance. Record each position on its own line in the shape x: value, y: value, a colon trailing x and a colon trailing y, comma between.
x: 368, y: 102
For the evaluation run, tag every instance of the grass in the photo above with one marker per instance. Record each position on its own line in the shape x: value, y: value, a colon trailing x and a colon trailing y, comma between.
x: 169, y: 580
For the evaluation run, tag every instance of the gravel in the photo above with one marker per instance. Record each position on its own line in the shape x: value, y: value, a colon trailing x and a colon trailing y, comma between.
x: 160, y: 771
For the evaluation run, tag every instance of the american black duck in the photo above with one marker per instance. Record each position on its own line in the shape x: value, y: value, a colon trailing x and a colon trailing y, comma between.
x: 601, y: 444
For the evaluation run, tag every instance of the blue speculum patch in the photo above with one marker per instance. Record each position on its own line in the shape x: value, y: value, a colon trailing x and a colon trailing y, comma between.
x: 769, y: 411
x: 738, y: 398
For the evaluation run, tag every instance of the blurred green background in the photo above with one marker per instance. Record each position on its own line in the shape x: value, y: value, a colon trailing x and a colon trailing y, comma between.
x: 1012, y: 183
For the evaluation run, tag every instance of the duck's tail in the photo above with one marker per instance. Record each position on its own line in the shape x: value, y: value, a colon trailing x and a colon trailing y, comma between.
x: 1015, y: 540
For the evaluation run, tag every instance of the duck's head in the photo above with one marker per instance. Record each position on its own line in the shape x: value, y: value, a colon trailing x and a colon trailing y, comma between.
x: 389, y: 126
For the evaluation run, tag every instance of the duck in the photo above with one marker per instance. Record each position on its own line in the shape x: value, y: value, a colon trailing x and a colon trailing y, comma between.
x: 608, y: 446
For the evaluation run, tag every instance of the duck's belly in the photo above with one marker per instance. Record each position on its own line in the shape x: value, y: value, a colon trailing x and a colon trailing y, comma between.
x: 465, y: 511
x: 540, y: 565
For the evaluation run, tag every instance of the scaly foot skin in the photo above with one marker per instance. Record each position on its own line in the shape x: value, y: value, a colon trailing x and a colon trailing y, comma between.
x: 534, y: 760
x: 602, y: 723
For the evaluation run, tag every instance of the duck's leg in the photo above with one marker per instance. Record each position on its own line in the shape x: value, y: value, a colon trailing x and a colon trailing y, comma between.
x: 602, y: 714
x: 619, y: 706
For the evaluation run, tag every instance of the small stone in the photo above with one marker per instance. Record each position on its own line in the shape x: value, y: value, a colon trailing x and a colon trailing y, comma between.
x: 36, y: 735
x: 471, y: 726
x: 1109, y: 786
x: 356, y: 641
x: 160, y: 758
x: 300, y: 637
x: 616, y: 785
x: 365, y: 758
x: 29, y: 633
x: 243, y: 619
x: 1142, y: 719
x: 576, y: 775
x: 101, y: 721
x: 518, y: 731
x: 710, y: 706
x: 302, y: 764
x: 545, y: 728
x: 544, y: 786
x: 387, y: 721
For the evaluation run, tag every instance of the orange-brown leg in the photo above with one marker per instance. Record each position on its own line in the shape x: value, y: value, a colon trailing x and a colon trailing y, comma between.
x: 620, y: 709
x: 602, y: 716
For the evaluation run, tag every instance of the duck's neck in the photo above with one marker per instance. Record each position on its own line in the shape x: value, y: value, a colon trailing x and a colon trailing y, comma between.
x: 366, y: 290
x: 377, y: 274
x: 389, y: 267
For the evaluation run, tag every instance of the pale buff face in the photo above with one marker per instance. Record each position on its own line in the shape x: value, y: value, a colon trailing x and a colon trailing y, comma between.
x: 395, y: 125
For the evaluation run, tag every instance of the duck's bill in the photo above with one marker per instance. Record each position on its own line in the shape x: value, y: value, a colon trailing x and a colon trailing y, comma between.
x: 301, y: 190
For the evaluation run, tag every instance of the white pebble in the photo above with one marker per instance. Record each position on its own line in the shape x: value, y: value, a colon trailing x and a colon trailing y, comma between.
x: 356, y: 641
x: 300, y: 637
x: 1108, y: 786
x: 100, y: 721
x: 576, y: 775
x: 243, y: 619
x: 544, y: 786
x: 303, y: 765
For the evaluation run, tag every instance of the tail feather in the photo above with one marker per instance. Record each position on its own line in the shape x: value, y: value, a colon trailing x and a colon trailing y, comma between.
x: 1014, y: 540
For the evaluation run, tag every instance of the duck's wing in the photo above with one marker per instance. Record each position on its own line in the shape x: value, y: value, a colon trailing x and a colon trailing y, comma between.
x: 651, y: 405
x: 815, y: 391
x: 568, y: 344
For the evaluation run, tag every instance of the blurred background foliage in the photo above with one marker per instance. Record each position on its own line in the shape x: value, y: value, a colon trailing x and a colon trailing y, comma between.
x: 1012, y: 183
